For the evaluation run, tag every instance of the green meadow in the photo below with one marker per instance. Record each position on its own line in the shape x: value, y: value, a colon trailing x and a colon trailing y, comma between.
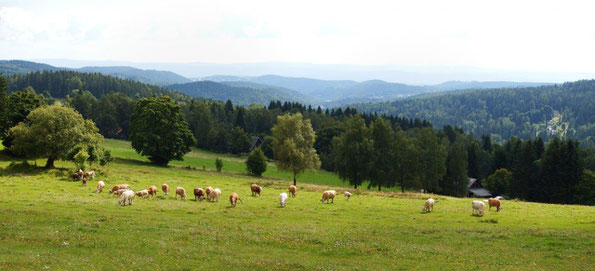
x: 48, y: 222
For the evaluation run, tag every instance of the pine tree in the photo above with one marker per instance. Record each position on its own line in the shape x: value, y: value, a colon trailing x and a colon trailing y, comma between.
x: 384, y: 142
x: 353, y: 151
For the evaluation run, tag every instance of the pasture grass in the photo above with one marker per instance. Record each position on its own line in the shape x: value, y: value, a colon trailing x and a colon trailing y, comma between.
x: 49, y: 222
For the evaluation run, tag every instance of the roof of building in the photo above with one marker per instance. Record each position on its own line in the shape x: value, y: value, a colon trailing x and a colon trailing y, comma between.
x: 480, y: 192
x: 256, y: 141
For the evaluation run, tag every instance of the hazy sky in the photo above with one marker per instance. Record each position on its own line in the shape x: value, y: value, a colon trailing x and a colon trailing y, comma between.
x: 556, y: 36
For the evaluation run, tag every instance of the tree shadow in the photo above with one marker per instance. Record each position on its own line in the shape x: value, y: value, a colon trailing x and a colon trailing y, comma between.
x: 134, y: 162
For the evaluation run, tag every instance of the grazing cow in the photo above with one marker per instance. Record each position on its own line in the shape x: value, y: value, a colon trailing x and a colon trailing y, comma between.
x: 328, y: 195
x: 199, y: 194
x: 90, y: 174
x: 100, y: 186
x: 478, y: 207
x: 120, y: 191
x: 208, y: 190
x: 118, y: 187
x: 256, y: 189
x: 496, y: 203
x: 347, y: 195
x: 428, y: 206
x: 78, y: 175
x: 214, y: 196
x: 152, y: 190
x: 84, y: 181
x: 165, y: 188
x: 127, y: 195
x: 233, y: 199
x: 180, y: 191
x: 293, y: 190
x: 142, y: 193
x: 282, y: 199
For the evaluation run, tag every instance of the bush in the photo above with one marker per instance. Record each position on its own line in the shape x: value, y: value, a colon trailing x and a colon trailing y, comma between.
x: 80, y: 159
x: 218, y: 164
x: 106, y: 158
x: 256, y: 164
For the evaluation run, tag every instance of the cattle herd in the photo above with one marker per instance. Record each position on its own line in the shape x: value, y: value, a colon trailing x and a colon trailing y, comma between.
x: 212, y: 195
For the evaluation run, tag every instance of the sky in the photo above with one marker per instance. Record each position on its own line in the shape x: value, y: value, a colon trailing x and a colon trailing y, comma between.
x: 536, y: 36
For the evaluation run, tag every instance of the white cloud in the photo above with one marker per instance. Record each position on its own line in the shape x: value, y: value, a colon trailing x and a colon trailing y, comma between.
x: 528, y: 35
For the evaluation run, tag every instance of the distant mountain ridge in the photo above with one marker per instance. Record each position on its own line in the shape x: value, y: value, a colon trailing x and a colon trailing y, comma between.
x: 239, y: 92
x: 340, y: 92
x: 262, y: 89
x: 154, y: 77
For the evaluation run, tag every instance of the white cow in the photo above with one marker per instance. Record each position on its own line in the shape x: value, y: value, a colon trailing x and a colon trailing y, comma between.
x: 428, y: 206
x: 328, y: 195
x: 100, y: 186
x: 214, y: 196
x: 282, y: 199
x: 347, y: 195
x: 127, y: 195
x: 478, y: 207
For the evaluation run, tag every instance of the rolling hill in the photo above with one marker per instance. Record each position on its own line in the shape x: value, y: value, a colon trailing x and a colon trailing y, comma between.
x: 60, y: 83
x: 543, y: 111
x: 154, y: 77
x: 342, y: 92
x: 244, y: 93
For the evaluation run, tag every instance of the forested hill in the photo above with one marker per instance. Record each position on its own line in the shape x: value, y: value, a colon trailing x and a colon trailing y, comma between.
x: 58, y: 84
x: 566, y: 110
x: 160, y: 78
x: 243, y: 93
x: 12, y: 67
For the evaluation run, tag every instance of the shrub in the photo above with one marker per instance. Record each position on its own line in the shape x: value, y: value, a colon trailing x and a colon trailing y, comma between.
x: 256, y: 163
x: 80, y: 159
x: 218, y: 164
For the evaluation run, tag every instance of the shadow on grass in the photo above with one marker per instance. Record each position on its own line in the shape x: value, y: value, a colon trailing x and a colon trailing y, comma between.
x: 134, y: 162
x: 24, y: 169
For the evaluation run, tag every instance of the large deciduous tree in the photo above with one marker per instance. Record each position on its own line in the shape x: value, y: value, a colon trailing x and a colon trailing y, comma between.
x: 20, y: 104
x: 353, y: 151
x: 52, y: 132
x: 159, y: 131
x: 293, y: 141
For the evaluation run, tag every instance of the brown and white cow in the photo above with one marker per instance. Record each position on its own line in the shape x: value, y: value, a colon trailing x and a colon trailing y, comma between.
x: 118, y: 187
x: 90, y: 174
x: 256, y: 189
x: 199, y: 194
x: 293, y: 191
x: 496, y: 203
x: 233, y: 199
x: 142, y: 193
x: 181, y: 192
x: 328, y: 195
x: 152, y: 190
x: 165, y: 188
x: 100, y: 186
x: 208, y: 190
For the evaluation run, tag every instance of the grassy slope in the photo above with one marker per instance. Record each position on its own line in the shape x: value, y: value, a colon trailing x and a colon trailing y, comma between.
x: 231, y: 163
x: 49, y: 221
